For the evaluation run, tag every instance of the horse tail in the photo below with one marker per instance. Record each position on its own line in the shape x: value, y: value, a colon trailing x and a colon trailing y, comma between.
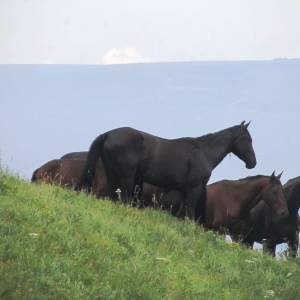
x: 87, y: 175
x: 33, y: 177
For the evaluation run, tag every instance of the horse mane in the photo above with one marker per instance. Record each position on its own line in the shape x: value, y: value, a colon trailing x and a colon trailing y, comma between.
x: 259, y: 177
x: 213, y: 135
x: 245, y: 178
x: 293, y: 180
x: 254, y: 177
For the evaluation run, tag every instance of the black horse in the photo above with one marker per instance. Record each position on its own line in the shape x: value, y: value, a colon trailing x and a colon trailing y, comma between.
x: 263, y: 229
x: 131, y: 157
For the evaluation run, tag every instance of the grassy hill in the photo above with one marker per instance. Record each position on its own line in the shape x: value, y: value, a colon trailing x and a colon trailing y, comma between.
x: 56, y: 244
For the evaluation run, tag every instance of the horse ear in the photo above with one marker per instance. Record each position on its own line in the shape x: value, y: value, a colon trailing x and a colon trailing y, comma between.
x: 279, y: 176
x: 272, y: 176
x: 246, y: 125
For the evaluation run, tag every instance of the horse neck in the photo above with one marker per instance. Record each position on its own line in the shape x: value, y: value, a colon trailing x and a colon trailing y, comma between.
x: 217, y: 145
x: 255, y: 187
x: 293, y: 206
x: 293, y: 201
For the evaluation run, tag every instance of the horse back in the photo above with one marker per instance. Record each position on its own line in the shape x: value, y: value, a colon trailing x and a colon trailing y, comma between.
x: 60, y: 171
x: 75, y: 155
x: 122, y: 142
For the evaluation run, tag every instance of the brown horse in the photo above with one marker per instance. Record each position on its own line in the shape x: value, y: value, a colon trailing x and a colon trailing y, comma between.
x: 75, y: 155
x: 263, y: 230
x: 229, y: 202
x: 132, y: 157
x: 65, y: 173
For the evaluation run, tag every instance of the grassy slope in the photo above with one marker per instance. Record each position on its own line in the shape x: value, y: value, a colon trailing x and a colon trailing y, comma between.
x: 87, y: 248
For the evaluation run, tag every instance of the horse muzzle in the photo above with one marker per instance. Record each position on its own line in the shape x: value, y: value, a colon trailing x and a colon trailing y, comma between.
x: 250, y: 160
x: 251, y: 164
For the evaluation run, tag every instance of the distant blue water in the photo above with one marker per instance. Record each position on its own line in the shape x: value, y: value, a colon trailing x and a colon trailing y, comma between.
x: 49, y: 110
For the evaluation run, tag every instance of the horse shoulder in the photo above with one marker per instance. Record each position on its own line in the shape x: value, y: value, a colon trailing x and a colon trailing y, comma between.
x: 215, y: 206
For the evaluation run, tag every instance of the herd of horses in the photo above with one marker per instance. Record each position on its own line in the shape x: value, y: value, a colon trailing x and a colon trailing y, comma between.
x: 173, y: 175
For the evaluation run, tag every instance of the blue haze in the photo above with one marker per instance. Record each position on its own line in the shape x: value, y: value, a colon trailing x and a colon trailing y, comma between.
x: 49, y: 110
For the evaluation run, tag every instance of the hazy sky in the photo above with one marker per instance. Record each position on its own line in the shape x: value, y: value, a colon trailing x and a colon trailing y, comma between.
x: 116, y: 31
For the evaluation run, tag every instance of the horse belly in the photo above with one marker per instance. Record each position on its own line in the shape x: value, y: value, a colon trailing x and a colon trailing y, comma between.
x: 180, y: 177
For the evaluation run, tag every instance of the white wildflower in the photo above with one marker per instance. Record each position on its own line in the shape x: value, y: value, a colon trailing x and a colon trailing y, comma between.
x: 33, y: 234
x: 161, y: 258
x: 270, y: 293
x: 249, y: 261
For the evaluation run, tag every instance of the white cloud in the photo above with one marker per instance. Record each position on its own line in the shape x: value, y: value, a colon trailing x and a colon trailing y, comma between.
x: 127, y: 55
x: 47, y: 61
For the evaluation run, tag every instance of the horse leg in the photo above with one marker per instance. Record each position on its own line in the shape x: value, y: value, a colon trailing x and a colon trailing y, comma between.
x: 127, y: 189
x: 200, y: 210
x: 178, y: 210
x: 124, y: 171
x: 248, y: 244
x: 293, y: 244
x: 222, y: 231
x: 273, y: 249
x: 138, y: 192
x: 192, y: 198
x: 112, y: 184
x: 270, y: 247
x: 294, y: 250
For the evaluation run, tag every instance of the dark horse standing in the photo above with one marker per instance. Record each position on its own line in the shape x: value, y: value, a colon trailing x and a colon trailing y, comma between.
x: 131, y: 157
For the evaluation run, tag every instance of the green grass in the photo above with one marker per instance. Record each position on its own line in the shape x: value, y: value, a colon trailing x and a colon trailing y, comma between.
x: 56, y: 244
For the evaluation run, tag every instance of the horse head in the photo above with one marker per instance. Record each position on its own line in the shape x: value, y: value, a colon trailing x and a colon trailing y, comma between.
x: 242, y: 145
x: 273, y: 196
